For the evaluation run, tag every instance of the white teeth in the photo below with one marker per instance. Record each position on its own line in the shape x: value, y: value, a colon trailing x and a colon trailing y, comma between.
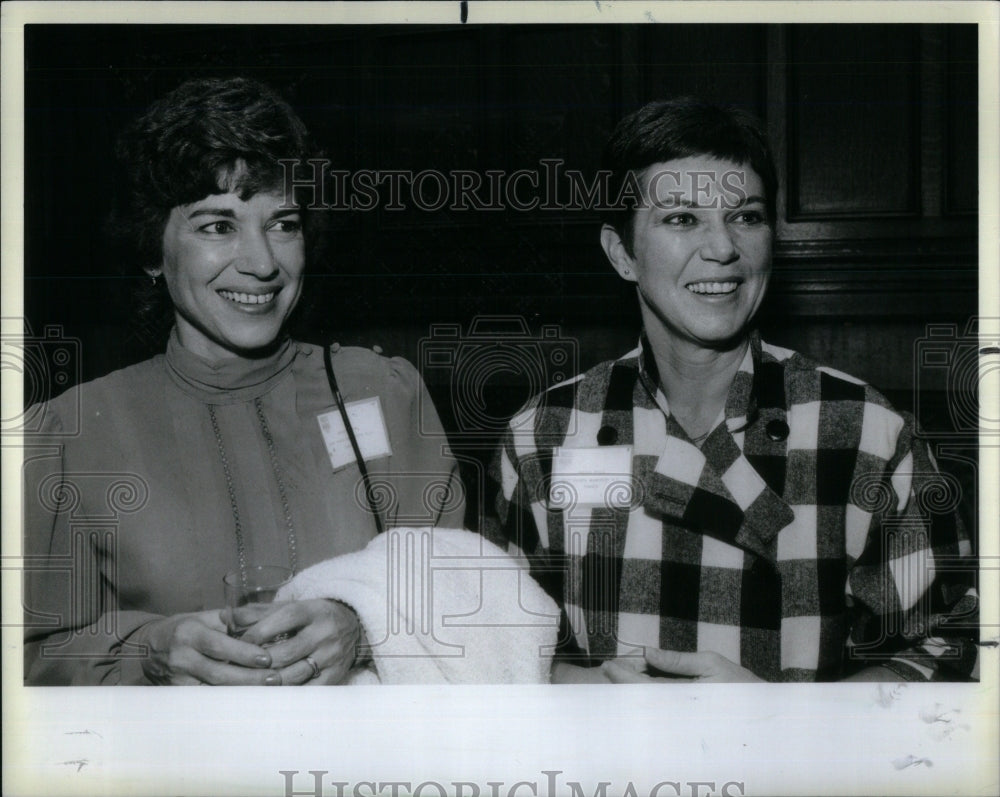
x: 247, y: 298
x: 713, y: 287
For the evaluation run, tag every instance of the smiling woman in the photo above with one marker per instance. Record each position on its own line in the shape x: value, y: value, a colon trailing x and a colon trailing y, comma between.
x: 700, y: 256
x: 233, y: 268
x: 222, y: 455
x: 763, y: 517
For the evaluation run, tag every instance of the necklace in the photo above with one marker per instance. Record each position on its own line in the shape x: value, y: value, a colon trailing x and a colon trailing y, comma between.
x: 231, y: 490
x: 276, y: 469
x: 701, y: 438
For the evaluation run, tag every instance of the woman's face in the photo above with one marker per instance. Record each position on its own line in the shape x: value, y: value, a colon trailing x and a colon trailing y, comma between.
x: 701, y: 250
x: 234, y: 271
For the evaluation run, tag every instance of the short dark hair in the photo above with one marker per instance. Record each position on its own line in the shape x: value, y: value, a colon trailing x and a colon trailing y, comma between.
x: 188, y: 143
x: 667, y: 130
x: 207, y: 136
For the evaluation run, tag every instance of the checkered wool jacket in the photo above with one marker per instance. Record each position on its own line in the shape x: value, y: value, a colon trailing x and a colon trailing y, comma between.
x: 808, y: 537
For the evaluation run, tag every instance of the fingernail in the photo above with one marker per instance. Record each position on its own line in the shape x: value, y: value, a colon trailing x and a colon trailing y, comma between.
x: 263, y: 660
x: 273, y: 680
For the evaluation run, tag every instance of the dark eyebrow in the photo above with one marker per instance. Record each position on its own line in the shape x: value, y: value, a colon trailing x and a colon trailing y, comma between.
x: 675, y: 203
x: 228, y: 213
x: 224, y: 212
x: 687, y: 203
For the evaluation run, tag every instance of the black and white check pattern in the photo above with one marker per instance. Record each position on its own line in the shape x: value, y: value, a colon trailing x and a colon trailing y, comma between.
x: 795, y: 541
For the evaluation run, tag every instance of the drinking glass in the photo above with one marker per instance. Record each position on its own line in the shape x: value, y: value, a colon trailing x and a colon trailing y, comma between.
x: 258, y: 584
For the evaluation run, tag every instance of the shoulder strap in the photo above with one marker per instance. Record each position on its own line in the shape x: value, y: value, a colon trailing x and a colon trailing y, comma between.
x: 332, y: 379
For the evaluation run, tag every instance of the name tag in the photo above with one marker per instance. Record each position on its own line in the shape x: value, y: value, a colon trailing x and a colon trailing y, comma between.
x: 591, y: 477
x: 369, y: 427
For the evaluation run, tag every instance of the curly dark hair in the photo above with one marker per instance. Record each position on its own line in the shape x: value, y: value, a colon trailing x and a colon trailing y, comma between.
x: 668, y: 130
x: 207, y: 136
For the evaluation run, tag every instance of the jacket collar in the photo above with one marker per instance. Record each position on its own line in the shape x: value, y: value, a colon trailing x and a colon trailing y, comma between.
x: 741, y: 402
x: 715, y: 490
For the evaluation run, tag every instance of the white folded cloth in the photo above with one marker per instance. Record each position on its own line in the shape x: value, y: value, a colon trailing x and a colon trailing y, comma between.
x: 440, y: 606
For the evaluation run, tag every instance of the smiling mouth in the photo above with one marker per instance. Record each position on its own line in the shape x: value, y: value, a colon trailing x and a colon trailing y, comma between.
x: 713, y: 288
x: 248, y: 298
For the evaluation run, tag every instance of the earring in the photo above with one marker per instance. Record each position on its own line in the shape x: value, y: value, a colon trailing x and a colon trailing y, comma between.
x: 627, y: 272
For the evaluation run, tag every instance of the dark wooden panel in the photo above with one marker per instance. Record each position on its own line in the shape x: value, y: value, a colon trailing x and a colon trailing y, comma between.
x: 426, y: 102
x: 721, y: 63
x: 505, y: 97
x: 960, y: 109
x: 560, y: 85
x: 561, y: 89
x: 853, y: 120
x: 426, y: 108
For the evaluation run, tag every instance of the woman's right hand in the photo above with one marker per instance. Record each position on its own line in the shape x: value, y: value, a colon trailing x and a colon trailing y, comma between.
x: 189, y: 649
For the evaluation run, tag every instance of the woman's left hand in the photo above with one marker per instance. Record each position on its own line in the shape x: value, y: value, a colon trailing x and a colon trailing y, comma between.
x: 701, y: 667
x: 320, y: 631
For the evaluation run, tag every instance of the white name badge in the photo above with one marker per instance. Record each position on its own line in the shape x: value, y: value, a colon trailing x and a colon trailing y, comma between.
x: 369, y: 427
x: 591, y: 477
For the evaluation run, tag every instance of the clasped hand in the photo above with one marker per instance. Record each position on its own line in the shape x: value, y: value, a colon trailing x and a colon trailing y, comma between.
x: 673, y: 665
x: 280, y: 645
x: 658, y: 666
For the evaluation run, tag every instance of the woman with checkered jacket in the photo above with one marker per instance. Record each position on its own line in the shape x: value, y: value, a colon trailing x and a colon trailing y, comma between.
x: 709, y: 506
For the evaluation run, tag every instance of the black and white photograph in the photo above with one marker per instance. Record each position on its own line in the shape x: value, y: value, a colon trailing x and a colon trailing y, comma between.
x: 605, y: 395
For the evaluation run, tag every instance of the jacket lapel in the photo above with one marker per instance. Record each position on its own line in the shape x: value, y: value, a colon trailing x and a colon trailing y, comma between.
x: 601, y: 563
x: 720, y: 490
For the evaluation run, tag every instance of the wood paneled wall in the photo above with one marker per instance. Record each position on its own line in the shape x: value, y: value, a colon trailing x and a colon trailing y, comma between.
x: 874, y: 128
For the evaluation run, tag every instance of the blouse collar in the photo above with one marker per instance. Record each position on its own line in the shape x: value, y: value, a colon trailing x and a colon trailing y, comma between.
x: 231, y: 380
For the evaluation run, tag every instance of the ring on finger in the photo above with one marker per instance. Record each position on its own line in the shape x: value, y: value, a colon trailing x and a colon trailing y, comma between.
x: 313, y: 665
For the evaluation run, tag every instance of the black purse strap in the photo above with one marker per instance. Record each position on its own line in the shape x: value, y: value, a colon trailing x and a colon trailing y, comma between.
x: 369, y: 494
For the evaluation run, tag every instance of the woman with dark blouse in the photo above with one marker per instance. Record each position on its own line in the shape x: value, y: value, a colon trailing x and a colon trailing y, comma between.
x: 227, y: 450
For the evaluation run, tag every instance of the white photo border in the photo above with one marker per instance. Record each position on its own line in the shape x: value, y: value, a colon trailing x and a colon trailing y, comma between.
x: 743, y: 740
